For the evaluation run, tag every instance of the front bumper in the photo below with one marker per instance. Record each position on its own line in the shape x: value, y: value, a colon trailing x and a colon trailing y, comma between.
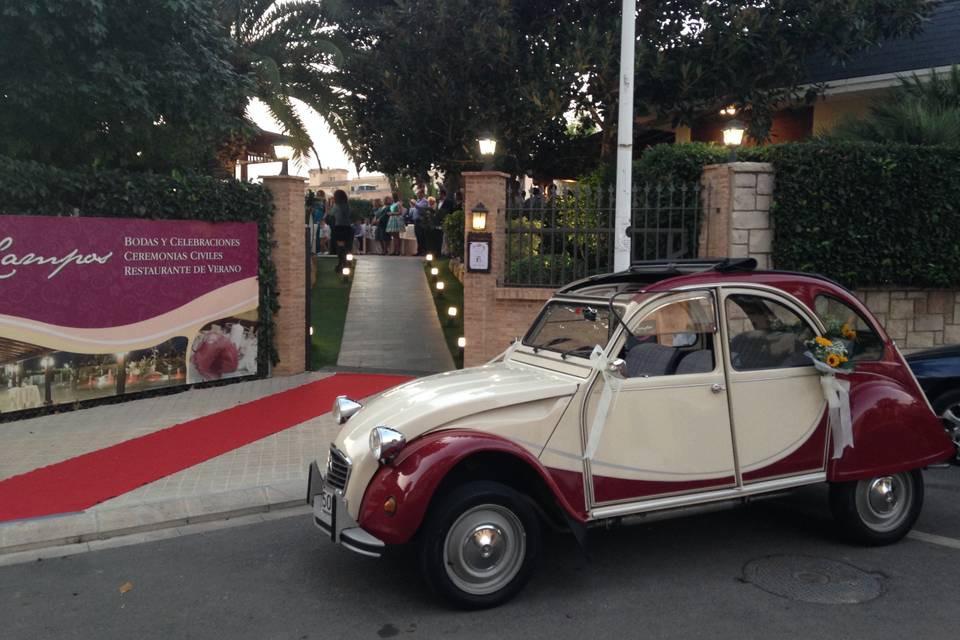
x: 338, y: 524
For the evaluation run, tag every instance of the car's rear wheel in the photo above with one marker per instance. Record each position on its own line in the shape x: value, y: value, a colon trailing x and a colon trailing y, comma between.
x: 947, y: 406
x: 878, y: 510
x: 479, y: 544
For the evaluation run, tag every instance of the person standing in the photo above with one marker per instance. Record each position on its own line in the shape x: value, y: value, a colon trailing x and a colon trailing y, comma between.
x: 383, y: 217
x: 342, y: 229
x: 396, y: 226
x: 418, y: 210
x: 319, y: 213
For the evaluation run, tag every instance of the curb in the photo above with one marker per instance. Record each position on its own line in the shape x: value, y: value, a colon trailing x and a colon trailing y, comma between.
x: 101, y: 524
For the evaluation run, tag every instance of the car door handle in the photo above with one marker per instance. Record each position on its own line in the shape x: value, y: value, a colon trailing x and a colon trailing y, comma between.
x: 716, y: 387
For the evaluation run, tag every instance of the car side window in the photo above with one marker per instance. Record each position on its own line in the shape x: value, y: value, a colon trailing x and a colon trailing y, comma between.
x: 674, y: 339
x: 843, y: 323
x: 765, y: 334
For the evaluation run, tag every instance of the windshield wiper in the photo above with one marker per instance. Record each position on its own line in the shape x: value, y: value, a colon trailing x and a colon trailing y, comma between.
x: 563, y: 356
x: 549, y: 343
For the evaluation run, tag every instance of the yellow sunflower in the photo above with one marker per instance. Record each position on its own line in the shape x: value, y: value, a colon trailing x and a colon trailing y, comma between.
x: 833, y: 360
x: 823, y: 342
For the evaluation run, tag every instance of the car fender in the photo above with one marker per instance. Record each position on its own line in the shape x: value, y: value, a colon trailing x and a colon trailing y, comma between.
x: 413, y: 477
x: 894, y: 430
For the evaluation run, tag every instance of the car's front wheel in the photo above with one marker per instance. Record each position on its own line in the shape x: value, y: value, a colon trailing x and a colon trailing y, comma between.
x: 479, y: 544
x: 878, y: 510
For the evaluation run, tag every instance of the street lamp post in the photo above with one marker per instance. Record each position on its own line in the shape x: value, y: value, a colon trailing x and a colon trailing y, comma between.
x: 621, y: 246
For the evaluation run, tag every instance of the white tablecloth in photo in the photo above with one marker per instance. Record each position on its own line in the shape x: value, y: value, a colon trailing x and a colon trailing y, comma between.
x: 26, y: 397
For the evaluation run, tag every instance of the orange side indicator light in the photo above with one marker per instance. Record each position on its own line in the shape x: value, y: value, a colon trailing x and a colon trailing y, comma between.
x: 390, y: 506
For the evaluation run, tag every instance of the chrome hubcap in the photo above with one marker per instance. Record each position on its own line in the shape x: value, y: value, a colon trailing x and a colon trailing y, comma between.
x: 484, y: 549
x: 882, y: 495
x: 883, y: 503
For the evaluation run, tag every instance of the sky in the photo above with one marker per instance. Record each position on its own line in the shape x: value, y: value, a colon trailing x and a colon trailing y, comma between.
x: 331, y: 153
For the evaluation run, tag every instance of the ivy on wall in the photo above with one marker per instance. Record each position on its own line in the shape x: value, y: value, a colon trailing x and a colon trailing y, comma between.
x: 868, y: 214
x: 29, y: 188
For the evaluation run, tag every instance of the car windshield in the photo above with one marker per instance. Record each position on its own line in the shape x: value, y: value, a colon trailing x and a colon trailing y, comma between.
x: 570, y: 328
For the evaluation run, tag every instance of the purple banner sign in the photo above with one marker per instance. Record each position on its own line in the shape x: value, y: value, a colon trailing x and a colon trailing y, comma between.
x: 110, y: 305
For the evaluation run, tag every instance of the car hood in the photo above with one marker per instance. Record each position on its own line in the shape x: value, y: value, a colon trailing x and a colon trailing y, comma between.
x: 429, y: 403
x: 946, y: 351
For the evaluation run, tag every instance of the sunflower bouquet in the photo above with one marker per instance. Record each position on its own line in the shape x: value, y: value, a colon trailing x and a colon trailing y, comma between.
x: 829, y: 356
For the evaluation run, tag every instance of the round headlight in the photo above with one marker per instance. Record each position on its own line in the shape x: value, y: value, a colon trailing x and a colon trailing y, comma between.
x: 386, y: 443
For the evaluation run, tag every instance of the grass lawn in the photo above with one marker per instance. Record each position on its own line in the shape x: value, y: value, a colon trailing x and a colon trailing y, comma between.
x: 328, y: 313
x: 452, y: 297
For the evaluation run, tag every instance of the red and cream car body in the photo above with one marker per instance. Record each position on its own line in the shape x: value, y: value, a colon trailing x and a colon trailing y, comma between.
x: 665, y: 387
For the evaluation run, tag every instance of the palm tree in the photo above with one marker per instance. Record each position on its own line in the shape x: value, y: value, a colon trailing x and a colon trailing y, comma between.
x: 916, y: 112
x: 283, y: 49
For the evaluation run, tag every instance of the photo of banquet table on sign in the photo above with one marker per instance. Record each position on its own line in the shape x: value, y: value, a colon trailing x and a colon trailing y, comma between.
x: 32, y: 376
x: 226, y: 348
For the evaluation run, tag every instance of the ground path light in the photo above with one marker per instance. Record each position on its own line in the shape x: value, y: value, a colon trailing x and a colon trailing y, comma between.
x: 451, y: 315
x: 429, y: 257
x: 349, y: 257
x: 434, y: 271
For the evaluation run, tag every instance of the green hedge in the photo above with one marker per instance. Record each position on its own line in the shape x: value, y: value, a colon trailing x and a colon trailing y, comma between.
x: 453, y: 227
x: 863, y: 214
x: 29, y: 188
x: 868, y: 214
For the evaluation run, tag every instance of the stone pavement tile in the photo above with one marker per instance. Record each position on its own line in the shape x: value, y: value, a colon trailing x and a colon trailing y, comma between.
x: 391, y: 320
x: 29, y: 444
x: 280, y: 458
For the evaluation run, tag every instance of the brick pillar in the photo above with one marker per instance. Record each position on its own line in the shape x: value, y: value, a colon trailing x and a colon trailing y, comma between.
x: 289, y: 258
x: 736, y: 206
x: 479, y: 289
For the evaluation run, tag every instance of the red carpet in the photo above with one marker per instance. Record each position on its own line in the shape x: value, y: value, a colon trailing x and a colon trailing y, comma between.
x: 79, y: 483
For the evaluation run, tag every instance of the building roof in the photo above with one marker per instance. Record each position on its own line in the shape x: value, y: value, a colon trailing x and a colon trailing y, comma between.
x: 938, y: 45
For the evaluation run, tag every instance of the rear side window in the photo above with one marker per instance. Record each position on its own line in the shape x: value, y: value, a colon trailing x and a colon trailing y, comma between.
x: 765, y: 334
x: 850, y: 328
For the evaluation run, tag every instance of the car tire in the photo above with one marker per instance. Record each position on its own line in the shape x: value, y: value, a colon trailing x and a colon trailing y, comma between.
x: 880, y: 510
x: 479, y: 544
x: 947, y: 408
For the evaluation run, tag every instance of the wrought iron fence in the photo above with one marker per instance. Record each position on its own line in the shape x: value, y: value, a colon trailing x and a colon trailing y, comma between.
x: 558, y: 238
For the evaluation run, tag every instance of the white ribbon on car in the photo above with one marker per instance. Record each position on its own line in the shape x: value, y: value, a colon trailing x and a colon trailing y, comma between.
x: 837, y: 394
x: 608, y: 397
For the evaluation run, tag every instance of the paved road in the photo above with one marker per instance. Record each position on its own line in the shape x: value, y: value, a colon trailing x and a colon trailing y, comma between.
x: 682, y: 578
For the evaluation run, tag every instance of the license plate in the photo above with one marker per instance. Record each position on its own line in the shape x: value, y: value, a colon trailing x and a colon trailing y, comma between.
x: 323, y: 506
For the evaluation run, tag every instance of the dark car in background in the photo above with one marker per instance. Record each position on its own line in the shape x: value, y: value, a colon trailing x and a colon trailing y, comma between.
x: 938, y: 372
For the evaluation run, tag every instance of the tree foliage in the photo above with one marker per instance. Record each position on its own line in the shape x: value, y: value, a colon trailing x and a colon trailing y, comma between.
x: 921, y: 112
x: 121, y: 83
x: 695, y: 57
x: 283, y: 49
x: 424, y: 77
